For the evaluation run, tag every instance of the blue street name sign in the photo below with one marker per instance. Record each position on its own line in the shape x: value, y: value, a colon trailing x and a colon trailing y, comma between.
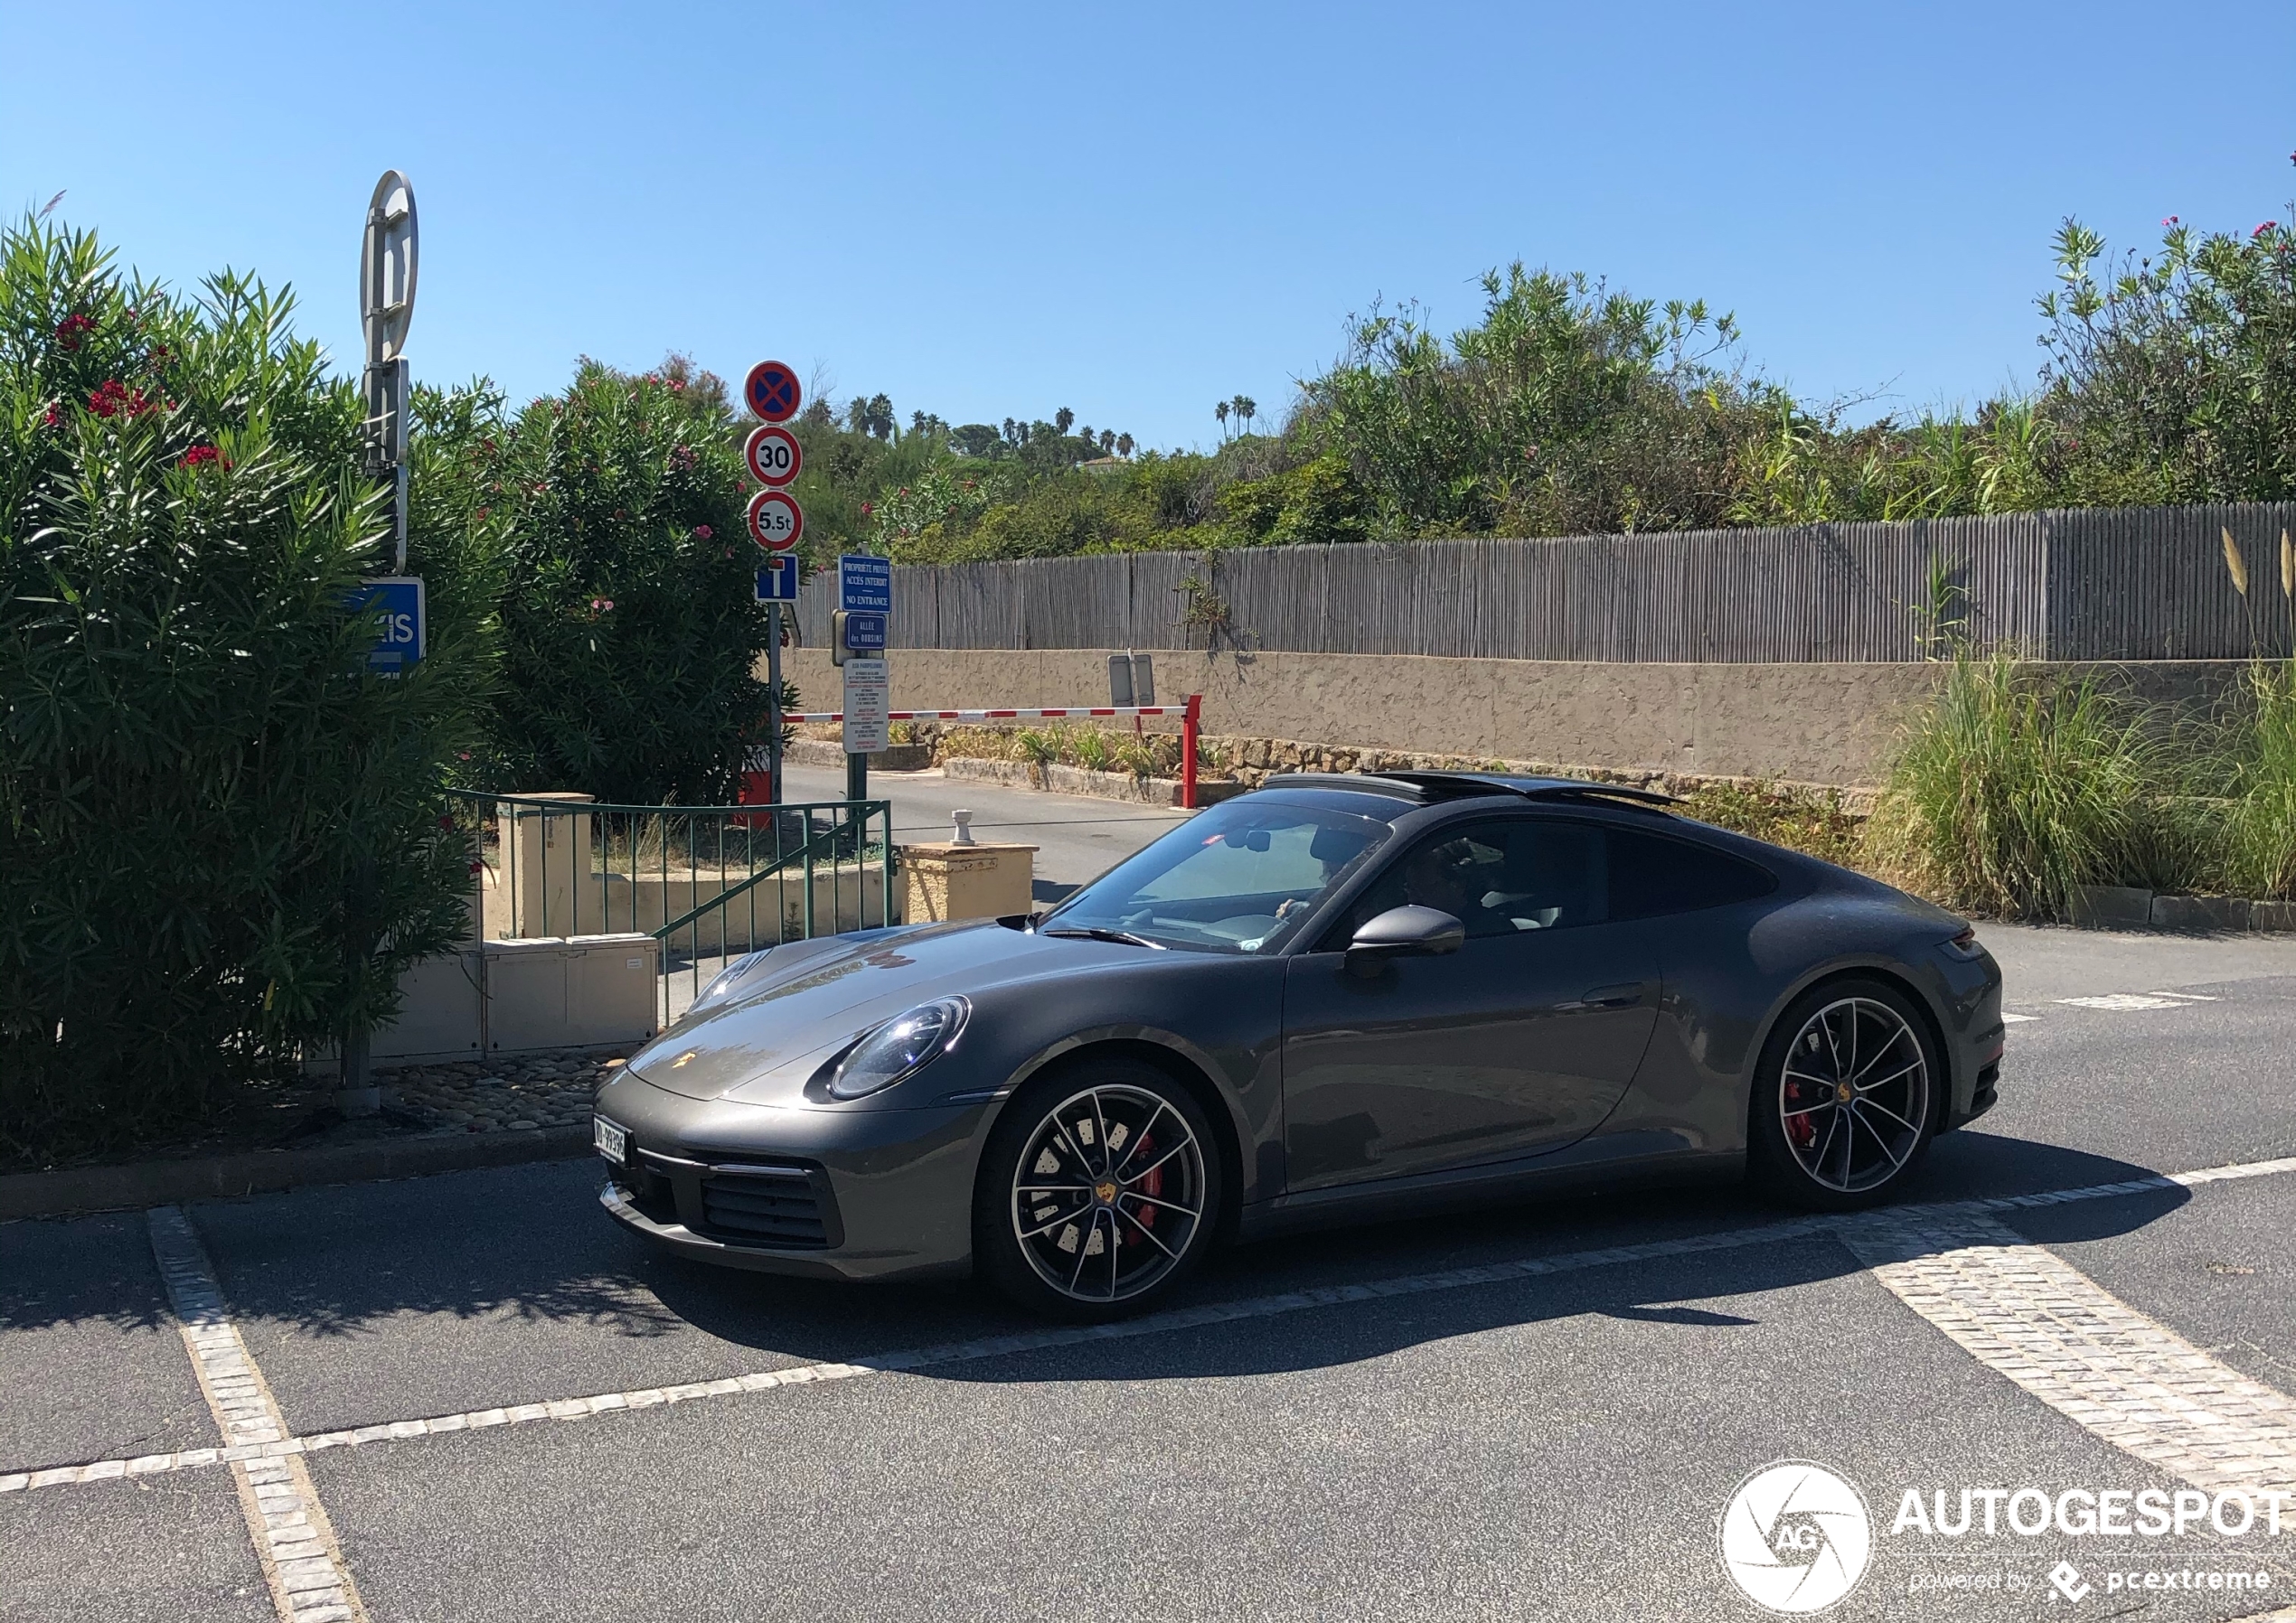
x: 864, y: 631
x: 398, y: 599
x: 777, y: 581
x: 864, y: 584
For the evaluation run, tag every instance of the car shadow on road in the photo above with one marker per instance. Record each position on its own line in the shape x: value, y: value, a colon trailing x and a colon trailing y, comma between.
x: 529, y: 1246
x: 816, y: 1320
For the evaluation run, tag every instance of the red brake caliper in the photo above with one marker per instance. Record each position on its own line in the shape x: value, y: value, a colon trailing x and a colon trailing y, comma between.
x: 1152, y: 1185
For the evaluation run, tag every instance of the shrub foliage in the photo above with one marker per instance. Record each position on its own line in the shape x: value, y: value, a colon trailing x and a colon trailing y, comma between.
x: 220, y: 838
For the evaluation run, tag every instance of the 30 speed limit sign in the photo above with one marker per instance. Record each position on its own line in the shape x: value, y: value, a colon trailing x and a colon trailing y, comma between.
x: 773, y: 454
x: 775, y: 520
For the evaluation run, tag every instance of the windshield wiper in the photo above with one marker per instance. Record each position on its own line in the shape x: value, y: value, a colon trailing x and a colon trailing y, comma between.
x: 1096, y: 932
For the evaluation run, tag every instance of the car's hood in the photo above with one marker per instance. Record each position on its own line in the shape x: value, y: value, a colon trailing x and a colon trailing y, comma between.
x: 808, y: 999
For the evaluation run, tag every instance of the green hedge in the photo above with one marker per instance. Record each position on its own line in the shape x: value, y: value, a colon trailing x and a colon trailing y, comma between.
x: 220, y: 839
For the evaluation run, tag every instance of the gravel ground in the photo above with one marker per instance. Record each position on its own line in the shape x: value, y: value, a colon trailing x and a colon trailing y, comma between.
x: 503, y: 1096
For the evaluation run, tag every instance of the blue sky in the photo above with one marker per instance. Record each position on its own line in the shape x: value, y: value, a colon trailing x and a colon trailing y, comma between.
x: 994, y: 210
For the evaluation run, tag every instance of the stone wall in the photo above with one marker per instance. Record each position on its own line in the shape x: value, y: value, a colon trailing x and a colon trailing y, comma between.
x: 1828, y: 723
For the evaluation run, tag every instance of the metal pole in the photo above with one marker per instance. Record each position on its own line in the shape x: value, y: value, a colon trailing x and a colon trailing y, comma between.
x: 1190, y: 721
x: 772, y: 706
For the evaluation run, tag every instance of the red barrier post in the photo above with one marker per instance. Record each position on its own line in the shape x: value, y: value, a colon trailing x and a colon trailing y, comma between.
x: 1187, y: 724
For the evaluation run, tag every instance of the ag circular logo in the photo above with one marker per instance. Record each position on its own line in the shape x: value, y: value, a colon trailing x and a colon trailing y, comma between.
x: 1795, y: 1537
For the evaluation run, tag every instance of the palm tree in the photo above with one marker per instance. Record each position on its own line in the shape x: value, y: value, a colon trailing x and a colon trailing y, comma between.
x: 1062, y: 418
x: 1123, y: 444
x: 1221, y: 411
x: 1247, y: 409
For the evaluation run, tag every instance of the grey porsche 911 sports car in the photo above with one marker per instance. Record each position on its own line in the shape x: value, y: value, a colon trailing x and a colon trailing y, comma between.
x: 1338, y: 997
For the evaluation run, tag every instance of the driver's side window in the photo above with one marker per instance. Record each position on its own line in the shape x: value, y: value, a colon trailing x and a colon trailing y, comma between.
x: 1504, y: 876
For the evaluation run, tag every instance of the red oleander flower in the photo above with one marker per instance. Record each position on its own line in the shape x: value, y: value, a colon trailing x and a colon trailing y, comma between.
x: 199, y: 456
x: 477, y: 868
x: 446, y: 821
x: 2170, y: 221
x: 867, y: 508
x: 2264, y: 230
x: 704, y: 532
x: 54, y: 415
x: 68, y: 331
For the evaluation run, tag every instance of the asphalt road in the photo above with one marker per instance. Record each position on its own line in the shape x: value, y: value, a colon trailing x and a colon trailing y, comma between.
x: 1075, y: 839
x: 1523, y: 1419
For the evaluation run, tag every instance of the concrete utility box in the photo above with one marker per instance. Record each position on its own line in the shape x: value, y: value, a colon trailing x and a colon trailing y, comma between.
x: 944, y: 880
x: 556, y: 992
x: 438, y: 1013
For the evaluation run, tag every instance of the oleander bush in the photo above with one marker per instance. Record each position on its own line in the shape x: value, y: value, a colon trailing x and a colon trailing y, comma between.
x: 219, y: 837
x: 630, y: 631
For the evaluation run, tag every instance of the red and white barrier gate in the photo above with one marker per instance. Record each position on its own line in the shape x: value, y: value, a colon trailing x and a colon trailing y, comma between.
x: 1190, y: 714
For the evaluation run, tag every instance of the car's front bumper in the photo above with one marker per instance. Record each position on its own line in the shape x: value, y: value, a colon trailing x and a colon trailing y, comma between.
x: 856, y: 1195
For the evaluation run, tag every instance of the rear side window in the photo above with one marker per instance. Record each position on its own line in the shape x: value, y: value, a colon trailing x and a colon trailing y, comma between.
x: 1652, y: 876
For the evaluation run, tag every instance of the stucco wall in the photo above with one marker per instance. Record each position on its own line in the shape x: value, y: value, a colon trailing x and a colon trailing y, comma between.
x: 1811, y: 723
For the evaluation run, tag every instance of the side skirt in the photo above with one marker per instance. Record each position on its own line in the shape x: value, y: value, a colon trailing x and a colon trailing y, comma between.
x: 1605, y: 1161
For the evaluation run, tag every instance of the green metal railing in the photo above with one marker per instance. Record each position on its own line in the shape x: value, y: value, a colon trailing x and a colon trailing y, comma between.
x: 709, y: 883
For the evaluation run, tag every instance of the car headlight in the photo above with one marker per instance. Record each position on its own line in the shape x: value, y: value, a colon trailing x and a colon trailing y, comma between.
x: 898, y: 1048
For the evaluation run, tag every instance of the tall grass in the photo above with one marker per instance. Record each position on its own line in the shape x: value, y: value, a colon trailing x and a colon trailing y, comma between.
x: 2012, y: 788
x: 2263, y: 817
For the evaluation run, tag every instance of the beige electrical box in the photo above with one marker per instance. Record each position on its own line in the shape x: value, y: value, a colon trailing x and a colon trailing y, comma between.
x: 571, y: 992
x: 438, y: 1012
x: 945, y: 881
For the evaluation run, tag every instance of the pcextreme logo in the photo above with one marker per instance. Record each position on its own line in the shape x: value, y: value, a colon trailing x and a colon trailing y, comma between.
x: 1795, y: 1538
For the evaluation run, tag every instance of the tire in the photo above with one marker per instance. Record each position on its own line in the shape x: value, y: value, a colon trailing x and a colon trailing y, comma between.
x: 1099, y: 1192
x: 1810, y: 1145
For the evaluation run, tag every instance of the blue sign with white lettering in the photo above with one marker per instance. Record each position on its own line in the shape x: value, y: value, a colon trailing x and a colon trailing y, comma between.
x: 864, y: 631
x: 778, y: 581
x: 864, y: 582
x: 399, y: 600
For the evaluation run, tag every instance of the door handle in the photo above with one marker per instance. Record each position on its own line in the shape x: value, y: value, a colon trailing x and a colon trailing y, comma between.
x: 1624, y: 996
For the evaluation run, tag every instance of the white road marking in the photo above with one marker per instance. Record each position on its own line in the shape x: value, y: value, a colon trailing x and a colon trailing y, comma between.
x: 2024, y: 1312
x: 1262, y: 1307
x: 2009, y: 1018
x: 302, y: 1563
x: 2125, y: 1002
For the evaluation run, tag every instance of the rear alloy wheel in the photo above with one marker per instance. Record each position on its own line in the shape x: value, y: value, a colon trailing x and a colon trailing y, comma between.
x: 1845, y: 1102
x: 1099, y: 1192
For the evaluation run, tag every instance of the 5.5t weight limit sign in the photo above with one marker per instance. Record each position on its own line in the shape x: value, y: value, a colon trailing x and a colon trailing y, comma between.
x: 775, y: 520
x: 774, y: 455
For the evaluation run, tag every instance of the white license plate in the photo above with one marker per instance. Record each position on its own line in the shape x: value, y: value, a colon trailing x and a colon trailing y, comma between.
x: 613, y: 1142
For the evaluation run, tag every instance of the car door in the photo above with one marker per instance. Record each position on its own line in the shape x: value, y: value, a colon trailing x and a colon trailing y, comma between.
x: 1520, y: 1042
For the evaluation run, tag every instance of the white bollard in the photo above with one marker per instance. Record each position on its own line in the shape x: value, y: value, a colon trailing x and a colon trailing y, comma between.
x: 964, y: 822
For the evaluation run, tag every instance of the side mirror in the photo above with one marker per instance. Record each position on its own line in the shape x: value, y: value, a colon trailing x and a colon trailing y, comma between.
x: 1404, y: 932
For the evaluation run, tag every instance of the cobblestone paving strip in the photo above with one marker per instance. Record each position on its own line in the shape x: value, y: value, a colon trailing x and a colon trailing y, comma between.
x: 1871, y: 1230
x: 302, y: 1563
x: 2027, y: 1314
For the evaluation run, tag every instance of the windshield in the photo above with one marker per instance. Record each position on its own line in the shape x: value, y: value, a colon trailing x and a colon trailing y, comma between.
x: 1240, y: 878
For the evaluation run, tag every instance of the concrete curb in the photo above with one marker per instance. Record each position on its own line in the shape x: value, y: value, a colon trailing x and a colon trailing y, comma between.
x: 79, y: 1189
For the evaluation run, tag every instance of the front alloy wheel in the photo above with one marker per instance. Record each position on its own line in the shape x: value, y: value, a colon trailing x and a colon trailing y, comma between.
x: 1844, y: 1110
x: 1106, y: 1192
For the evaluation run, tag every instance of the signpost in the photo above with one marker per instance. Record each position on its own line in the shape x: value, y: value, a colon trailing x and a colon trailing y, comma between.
x: 775, y: 520
x: 774, y: 455
x: 405, y: 631
x: 771, y: 392
x: 778, y: 578
x: 387, y: 266
x: 865, y: 604
x: 773, y: 395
